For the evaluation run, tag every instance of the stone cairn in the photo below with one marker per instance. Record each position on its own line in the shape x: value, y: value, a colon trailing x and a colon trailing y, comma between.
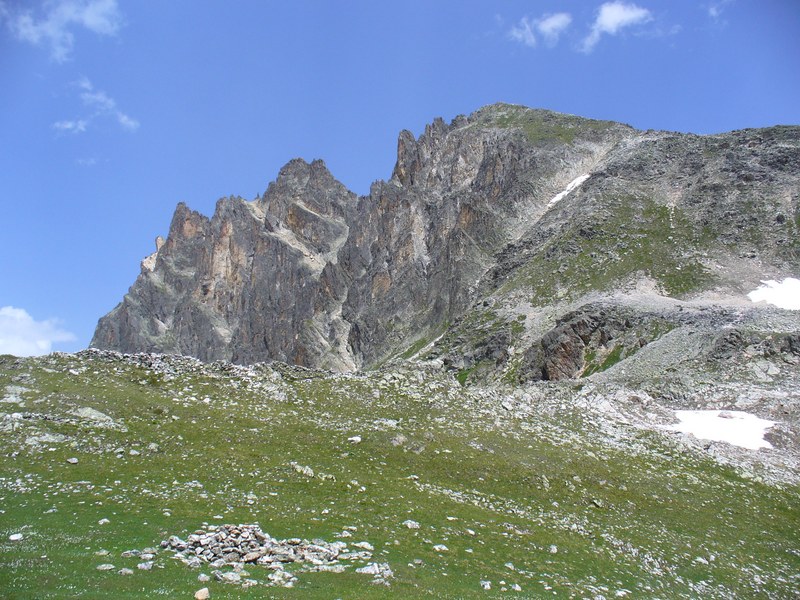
x: 236, y: 546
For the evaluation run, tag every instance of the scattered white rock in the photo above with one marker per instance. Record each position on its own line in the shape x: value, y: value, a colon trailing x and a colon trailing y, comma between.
x: 364, y: 546
x: 303, y: 470
x: 98, y: 418
x: 15, y: 537
x: 487, y: 585
x: 411, y: 524
x: 356, y: 439
x: 381, y: 571
x: 72, y: 461
x: 440, y: 548
x: 228, y: 577
x: 370, y: 569
x: 103, y: 522
x: 105, y: 567
x: 202, y: 594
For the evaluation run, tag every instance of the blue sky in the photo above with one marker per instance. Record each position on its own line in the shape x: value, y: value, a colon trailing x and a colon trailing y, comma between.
x: 113, y: 111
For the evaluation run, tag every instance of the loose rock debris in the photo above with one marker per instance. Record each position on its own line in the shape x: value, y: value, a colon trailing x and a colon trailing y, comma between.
x: 238, y: 546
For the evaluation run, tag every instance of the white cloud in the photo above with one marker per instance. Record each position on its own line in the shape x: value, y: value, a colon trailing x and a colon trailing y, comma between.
x: 549, y: 26
x: 21, y: 335
x: 98, y: 100
x: 61, y: 17
x: 127, y: 122
x: 522, y: 32
x: 102, y: 106
x: 552, y: 26
x: 715, y: 9
x: 612, y: 17
x: 76, y: 126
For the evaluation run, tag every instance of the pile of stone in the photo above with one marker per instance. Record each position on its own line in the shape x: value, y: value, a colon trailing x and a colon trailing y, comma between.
x: 236, y: 546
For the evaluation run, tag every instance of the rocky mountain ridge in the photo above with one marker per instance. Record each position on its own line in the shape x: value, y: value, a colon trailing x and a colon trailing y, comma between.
x: 528, y: 363
x: 491, y: 230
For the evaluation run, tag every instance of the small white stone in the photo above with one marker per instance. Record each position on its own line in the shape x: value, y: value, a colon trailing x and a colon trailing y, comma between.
x: 364, y: 546
x: 411, y: 524
x: 356, y: 439
x: 15, y: 537
x: 370, y: 569
x: 202, y: 594
x: 440, y: 548
x: 487, y: 585
x: 72, y: 461
x: 103, y: 522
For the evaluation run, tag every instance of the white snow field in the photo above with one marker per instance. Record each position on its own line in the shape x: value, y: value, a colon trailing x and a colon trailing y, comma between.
x: 570, y: 186
x: 734, y: 427
x: 785, y: 294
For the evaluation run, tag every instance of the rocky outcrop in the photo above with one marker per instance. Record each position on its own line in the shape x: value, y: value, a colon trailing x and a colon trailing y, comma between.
x: 589, y: 340
x: 504, y: 199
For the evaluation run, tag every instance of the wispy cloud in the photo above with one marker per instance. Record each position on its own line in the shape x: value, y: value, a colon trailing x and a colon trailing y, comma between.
x: 549, y: 26
x: 75, y: 126
x: 522, y: 32
x: 612, y: 17
x: 57, y: 20
x: 127, y: 122
x: 715, y: 9
x: 552, y: 26
x: 101, y: 105
x: 22, y: 335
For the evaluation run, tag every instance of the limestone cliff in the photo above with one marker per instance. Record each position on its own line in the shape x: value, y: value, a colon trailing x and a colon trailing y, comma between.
x: 532, y: 210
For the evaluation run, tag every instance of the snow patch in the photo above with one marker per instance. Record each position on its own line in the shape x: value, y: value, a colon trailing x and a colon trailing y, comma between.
x: 734, y: 427
x: 785, y: 294
x: 570, y: 187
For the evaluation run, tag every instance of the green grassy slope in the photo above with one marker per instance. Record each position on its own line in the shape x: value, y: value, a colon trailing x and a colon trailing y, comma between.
x: 542, y: 498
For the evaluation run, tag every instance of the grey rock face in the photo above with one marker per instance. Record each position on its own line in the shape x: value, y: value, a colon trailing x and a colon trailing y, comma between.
x: 313, y: 275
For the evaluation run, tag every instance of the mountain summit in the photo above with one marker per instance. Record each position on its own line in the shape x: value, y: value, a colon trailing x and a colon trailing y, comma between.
x: 515, y: 242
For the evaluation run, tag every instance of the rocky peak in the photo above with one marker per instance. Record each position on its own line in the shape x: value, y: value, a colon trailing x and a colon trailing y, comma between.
x: 303, y: 187
x: 149, y: 262
x: 529, y: 209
